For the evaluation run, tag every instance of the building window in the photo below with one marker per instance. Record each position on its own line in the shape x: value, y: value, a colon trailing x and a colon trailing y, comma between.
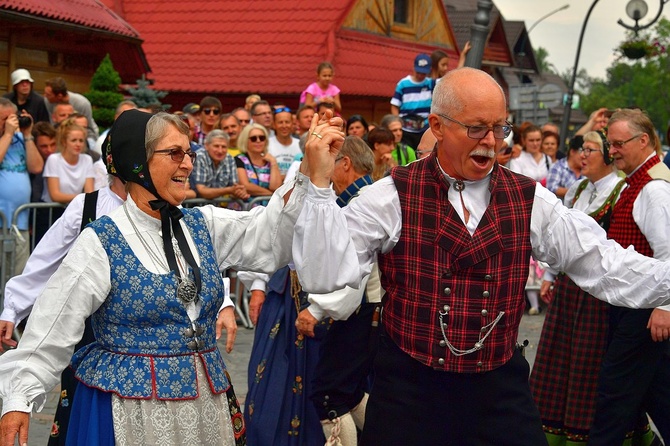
x: 401, y: 11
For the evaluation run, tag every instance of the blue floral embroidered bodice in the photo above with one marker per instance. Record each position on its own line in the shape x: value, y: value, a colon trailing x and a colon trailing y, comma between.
x: 144, y: 338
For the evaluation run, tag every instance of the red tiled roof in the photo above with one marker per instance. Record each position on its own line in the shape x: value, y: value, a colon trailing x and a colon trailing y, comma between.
x: 264, y: 46
x: 370, y: 65
x: 235, y: 46
x: 87, y: 13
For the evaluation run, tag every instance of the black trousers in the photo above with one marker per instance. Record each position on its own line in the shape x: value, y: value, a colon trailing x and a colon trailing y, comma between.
x: 345, y: 363
x: 634, y: 378
x: 412, y: 404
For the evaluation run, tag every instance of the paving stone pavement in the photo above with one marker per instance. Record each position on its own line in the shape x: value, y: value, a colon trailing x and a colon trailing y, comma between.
x: 237, y: 362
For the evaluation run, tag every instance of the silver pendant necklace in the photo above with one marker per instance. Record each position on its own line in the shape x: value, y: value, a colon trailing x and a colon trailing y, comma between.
x: 187, y: 291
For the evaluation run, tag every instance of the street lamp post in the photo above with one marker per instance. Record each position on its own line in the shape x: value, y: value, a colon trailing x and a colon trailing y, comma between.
x: 535, y: 23
x: 478, y: 33
x: 636, y: 10
x: 571, y: 88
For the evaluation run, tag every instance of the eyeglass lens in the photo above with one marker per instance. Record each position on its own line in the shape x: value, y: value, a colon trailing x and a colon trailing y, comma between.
x: 209, y: 111
x: 177, y: 155
x: 256, y: 138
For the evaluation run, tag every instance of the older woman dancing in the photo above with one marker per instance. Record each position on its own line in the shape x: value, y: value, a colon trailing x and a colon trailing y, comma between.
x: 149, y: 274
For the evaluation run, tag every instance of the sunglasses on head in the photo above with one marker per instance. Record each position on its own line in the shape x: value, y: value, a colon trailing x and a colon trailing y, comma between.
x: 209, y: 111
x: 256, y: 138
x: 177, y: 155
x: 282, y: 110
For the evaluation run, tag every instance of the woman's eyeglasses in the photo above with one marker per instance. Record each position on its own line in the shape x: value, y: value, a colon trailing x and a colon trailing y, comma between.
x: 587, y: 151
x: 209, y: 111
x: 256, y: 138
x: 177, y: 155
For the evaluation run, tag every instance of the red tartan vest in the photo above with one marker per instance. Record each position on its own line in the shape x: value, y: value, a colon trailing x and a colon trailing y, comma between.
x: 623, y: 228
x: 436, y: 266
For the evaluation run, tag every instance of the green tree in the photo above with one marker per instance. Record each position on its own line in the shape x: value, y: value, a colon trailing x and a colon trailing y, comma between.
x: 642, y: 82
x: 145, y: 97
x: 542, y: 60
x: 104, y: 93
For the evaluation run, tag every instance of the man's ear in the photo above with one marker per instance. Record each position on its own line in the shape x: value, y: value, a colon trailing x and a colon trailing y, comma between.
x: 435, y: 127
x: 346, y: 163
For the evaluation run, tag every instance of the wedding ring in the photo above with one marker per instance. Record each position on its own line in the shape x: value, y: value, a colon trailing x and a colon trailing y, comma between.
x: 318, y: 135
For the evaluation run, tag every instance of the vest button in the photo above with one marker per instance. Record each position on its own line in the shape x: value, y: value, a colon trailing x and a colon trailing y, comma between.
x: 486, y: 294
x: 447, y: 291
x: 446, y: 308
x: 479, y: 364
x: 443, y: 343
x: 440, y: 361
x: 485, y: 313
x: 488, y: 277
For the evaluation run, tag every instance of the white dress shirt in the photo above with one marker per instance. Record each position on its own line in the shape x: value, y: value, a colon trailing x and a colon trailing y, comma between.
x: 334, y: 247
x: 258, y: 240
x: 21, y: 291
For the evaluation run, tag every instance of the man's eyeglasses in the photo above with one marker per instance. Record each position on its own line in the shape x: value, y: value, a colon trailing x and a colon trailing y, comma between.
x: 587, y: 151
x: 177, y: 155
x: 480, y: 131
x: 283, y: 110
x: 256, y: 138
x: 210, y: 111
x: 619, y: 144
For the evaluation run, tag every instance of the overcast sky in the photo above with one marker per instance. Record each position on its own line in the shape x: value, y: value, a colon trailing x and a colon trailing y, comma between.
x: 559, y: 33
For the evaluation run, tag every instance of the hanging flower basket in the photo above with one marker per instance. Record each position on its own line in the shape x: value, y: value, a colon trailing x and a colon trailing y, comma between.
x: 636, y: 49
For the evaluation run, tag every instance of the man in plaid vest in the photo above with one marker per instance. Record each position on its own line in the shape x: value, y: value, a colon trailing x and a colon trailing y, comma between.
x: 635, y: 373
x: 454, y: 233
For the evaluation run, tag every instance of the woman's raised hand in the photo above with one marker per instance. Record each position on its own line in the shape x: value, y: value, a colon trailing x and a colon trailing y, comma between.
x: 324, y: 141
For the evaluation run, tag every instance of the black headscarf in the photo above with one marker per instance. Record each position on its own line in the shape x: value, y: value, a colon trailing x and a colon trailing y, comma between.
x: 125, y: 144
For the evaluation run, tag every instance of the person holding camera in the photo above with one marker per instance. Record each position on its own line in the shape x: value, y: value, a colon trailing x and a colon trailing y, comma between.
x: 18, y: 157
x: 24, y: 96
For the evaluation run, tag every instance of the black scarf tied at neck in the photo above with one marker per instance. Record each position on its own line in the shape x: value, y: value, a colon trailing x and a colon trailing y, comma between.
x: 125, y: 147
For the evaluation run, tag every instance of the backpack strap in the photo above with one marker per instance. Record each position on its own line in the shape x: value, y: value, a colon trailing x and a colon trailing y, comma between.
x: 90, y: 204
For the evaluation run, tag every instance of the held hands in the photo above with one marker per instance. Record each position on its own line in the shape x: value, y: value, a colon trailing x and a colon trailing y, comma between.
x: 6, y: 329
x: 324, y: 141
x: 547, y: 291
x: 13, y: 424
x: 306, y: 323
x: 240, y: 191
x: 255, y: 305
x: 226, y: 321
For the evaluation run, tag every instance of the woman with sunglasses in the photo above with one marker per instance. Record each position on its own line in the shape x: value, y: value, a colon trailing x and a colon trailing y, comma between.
x: 149, y: 275
x: 257, y: 170
x: 574, y: 337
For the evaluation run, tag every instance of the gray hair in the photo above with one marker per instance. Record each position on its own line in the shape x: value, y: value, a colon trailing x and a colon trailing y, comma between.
x: 217, y: 133
x: 638, y: 122
x: 362, y: 159
x: 389, y: 119
x: 595, y: 138
x: 158, y: 125
x: 6, y: 103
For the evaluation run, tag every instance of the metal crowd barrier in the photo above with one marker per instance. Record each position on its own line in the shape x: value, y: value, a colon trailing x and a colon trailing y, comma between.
x: 6, y: 256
